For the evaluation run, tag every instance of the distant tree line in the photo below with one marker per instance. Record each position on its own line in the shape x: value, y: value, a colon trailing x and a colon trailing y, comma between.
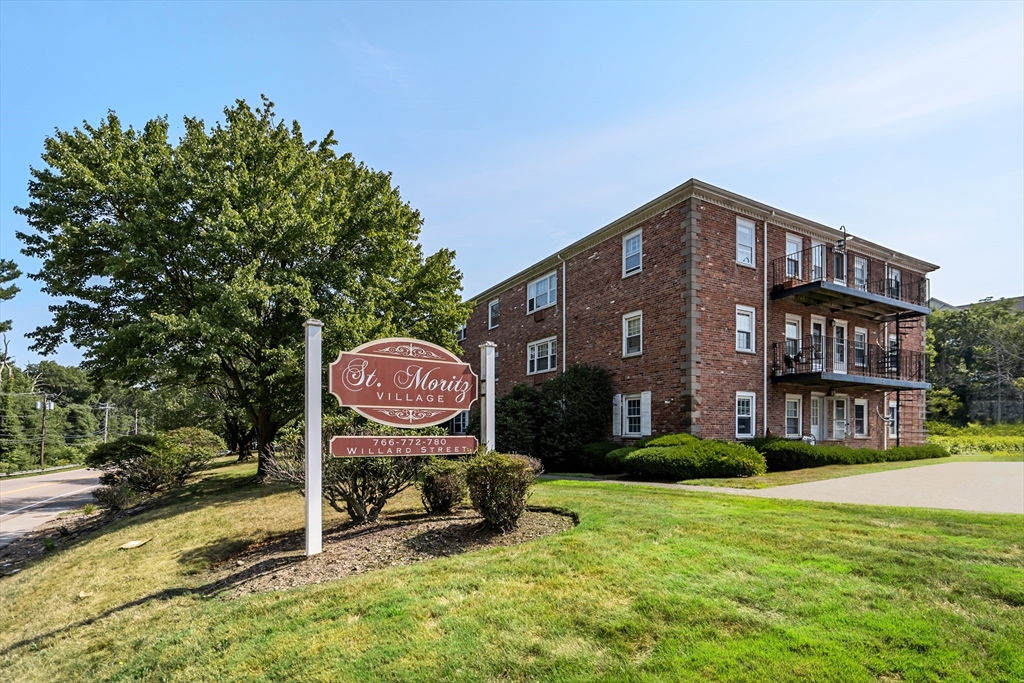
x: 976, y: 363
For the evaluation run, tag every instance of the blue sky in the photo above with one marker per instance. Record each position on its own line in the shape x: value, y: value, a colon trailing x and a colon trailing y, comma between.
x: 518, y: 128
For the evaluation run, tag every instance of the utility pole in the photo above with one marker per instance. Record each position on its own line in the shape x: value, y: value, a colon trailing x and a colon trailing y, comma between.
x: 106, y: 418
x: 42, y: 441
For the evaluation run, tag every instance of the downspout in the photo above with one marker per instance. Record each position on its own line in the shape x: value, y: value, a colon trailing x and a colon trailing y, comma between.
x: 564, y: 285
x: 764, y: 328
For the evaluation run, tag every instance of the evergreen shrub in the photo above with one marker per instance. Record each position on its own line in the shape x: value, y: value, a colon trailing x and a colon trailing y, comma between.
x: 783, y: 455
x: 615, y: 461
x: 443, y: 485
x: 594, y: 457
x: 498, y: 487
x: 695, y: 460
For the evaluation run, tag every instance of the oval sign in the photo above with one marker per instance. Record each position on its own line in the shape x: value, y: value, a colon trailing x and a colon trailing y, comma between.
x: 403, y: 382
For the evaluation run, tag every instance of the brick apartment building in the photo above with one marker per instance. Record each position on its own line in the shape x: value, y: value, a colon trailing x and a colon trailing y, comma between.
x: 725, y: 318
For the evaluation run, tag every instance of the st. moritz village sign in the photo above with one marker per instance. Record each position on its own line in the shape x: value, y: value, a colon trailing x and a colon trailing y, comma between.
x: 399, y: 382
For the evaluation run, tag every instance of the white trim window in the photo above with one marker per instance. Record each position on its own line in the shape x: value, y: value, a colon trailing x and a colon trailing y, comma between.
x: 894, y: 419
x: 794, y: 250
x: 493, y: 313
x: 860, y: 347
x: 745, y: 329
x: 860, y: 418
x: 746, y: 413
x: 794, y: 416
x: 460, y: 334
x: 542, y: 356
x: 631, y: 423
x: 633, y: 333
x: 794, y: 323
x: 541, y: 293
x: 860, y: 273
x: 632, y: 253
x: 460, y: 423
x: 745, y: 242
x: 631, y: 415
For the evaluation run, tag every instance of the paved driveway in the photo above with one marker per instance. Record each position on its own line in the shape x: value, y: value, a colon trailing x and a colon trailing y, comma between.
x: 27, y: 503
x: 971, y: 486
x: 974, y: 486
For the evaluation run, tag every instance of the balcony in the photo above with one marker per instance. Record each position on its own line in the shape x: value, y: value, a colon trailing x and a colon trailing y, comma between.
x: 845, y: 281
x: 838, y: 362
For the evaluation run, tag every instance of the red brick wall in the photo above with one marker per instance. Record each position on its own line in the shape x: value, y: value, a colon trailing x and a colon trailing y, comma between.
x: 688, y: 291
x: 598, y: 296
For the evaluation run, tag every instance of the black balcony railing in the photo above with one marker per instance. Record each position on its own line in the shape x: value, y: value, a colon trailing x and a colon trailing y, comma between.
x: 841, y: 355
x: 826, y: 263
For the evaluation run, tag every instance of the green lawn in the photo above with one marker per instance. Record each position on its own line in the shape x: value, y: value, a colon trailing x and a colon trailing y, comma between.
x: 836, y: 471
x: 653, y: 585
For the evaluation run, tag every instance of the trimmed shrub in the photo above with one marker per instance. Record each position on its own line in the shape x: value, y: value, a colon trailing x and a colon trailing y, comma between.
x: 668, y: 440
x: 785, y: 455
x: 615, y: 461
x: 360, y: 487
x: 498, y: 486
x: 695, y: 460
x: 443, y: 485
x: 594, y: 456
x: 535, y: 465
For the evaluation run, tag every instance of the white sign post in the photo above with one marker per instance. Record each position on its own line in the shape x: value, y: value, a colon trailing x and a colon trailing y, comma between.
x: 488, y: 393
x: 313, y: 437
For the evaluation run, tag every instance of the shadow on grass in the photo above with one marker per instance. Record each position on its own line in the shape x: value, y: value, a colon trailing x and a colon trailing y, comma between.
x: 251, y: 572
x: 28, y: 551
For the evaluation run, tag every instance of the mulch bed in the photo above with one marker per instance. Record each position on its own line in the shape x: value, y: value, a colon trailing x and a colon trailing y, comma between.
x: 399, y: 539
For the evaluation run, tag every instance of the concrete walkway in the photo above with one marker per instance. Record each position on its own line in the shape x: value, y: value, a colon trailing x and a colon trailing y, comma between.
x: 971, y: 486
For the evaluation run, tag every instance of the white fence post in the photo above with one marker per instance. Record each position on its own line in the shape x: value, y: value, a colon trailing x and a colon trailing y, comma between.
x: 488, y: 394
x: 313, y: 437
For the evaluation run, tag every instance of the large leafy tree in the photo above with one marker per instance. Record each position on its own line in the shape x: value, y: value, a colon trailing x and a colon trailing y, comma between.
x: 198, y: 262
x: 976, y: 353
x: 8, y: 273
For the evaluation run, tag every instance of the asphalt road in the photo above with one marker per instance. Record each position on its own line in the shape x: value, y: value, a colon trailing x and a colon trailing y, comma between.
x: 26, y: 503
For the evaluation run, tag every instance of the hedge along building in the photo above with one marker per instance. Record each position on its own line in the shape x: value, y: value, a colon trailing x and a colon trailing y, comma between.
x: 725, y: 318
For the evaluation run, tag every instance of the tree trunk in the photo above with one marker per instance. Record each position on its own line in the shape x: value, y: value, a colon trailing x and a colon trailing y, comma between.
x: 266, y: 431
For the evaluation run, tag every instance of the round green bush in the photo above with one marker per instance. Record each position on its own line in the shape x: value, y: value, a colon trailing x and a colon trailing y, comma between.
x: 669, y: 440
x: 614, y: 462
x: 695, y: 460
x: 498, y: 487
x: 593, y: 457
x: 442, y: 485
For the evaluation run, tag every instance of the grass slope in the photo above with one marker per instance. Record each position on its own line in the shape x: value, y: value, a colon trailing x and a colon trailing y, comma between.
x: 653, y: 585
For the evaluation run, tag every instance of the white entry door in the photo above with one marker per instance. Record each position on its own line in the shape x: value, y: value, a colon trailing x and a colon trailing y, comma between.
x: 839, y: 350
x: 816, y: 432
x: 839, y: 419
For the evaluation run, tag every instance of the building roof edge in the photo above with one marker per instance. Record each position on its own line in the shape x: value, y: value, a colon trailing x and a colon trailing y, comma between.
x: 714, y: 195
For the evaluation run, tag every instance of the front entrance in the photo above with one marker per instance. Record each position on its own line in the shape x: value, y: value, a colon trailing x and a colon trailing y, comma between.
x: 816, y: 431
